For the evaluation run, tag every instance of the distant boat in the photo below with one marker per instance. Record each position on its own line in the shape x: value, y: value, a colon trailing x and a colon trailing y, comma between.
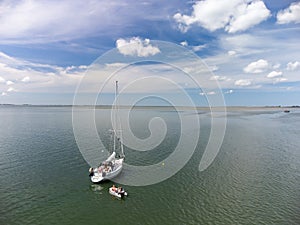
x: 112, y: 166
x: 286, y: 111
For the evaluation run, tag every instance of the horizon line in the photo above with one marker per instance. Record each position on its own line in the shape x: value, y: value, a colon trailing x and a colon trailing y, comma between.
x: 143, y: 106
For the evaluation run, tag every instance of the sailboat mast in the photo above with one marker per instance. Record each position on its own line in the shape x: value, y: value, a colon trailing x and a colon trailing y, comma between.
x: 118, y: 132
x: 115, y: 118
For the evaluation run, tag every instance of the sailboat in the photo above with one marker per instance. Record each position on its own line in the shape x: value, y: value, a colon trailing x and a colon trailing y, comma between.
x: 112, y: 166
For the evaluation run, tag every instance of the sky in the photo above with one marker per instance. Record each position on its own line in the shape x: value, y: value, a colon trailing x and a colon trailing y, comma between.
x: 49, y: 48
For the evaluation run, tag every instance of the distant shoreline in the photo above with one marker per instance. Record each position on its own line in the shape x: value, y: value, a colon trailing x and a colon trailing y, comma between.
x: 231, y: 108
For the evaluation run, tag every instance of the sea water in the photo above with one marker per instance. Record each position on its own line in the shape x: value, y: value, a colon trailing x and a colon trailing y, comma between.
x: 255, y: 178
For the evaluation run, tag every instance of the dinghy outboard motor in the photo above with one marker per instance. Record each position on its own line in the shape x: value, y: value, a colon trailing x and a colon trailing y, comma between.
x: 121, y: 192
x: 91, y: 171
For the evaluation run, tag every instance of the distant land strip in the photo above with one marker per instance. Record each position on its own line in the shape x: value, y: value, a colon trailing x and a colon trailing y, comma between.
x: 230, y: 108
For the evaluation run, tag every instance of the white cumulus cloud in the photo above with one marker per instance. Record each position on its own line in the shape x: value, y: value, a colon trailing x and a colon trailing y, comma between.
x: 136, y: 47
x: 199, y: 47
x: 247, y: 15
x: 9, y: 82
x: 219, y: 78
x: 184, y: 43
x: 280, y: 79
x: 10, y: 89
x: 243, y: 82
x: 2, y: 80
x: 26, y: 79
x: 3, y: 94
x: 115, y: 65
x: 231, y: 53
x: 257, y: 66
x: 17, y: 73
x: 274, y: 74
x: 231, y: 15
x: 290, y: 14
x: 293, y: 66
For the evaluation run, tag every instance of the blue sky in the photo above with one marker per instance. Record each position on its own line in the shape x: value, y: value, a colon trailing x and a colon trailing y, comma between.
x: 252, y: 47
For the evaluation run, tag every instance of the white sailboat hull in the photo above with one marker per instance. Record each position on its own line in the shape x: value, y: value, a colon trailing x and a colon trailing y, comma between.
x: 100, y: 174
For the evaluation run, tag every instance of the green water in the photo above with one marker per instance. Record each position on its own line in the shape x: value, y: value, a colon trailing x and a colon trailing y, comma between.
x: 255, y: 178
